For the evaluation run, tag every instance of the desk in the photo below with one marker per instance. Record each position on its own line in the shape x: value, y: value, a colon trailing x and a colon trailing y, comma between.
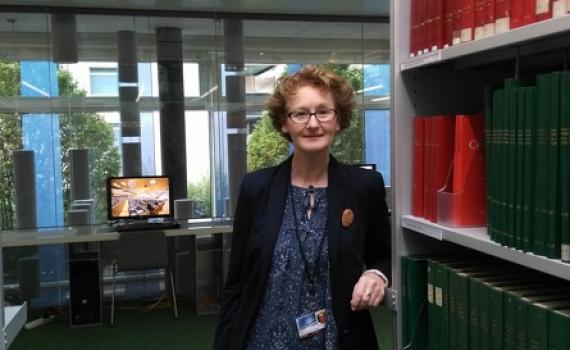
x: 104, y: 233
x: 101, y: 233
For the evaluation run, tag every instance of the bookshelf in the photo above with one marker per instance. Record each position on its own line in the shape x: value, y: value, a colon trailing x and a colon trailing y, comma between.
x: 452, y: 81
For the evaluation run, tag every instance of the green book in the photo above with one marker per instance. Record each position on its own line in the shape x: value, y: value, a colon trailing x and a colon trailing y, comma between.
x: 565, y: 166
x: 489, y: 148
x: 511, y: 300
x: 500, y: 324
x: 528, y: 183
x: 541, y: 168
x: 552, y: 195
x: 432, y: 321
x: 416, y: 281
x: 522, y: 305
x: 519, y: 168
x: 489, y: 300
x: 510, y: 164
x: 404, y: 301
x: 559, y: 329
x: 538, y: 326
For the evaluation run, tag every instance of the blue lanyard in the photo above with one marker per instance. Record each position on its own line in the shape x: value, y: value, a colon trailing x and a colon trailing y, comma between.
x: 310, y: 275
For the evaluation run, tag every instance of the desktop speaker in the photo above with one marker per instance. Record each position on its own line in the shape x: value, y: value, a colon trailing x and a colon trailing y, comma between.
x: 183, y: 209
x: 76, y: 217
x: 84, y: 289
x: 25, y: 188
x: 79, y: 165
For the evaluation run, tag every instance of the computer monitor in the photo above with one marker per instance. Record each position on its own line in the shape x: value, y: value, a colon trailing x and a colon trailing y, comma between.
x: 139, y: 197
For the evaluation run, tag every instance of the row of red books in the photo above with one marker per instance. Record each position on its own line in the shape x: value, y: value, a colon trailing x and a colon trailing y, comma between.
x: 449, y: 170
x: 436, y: 24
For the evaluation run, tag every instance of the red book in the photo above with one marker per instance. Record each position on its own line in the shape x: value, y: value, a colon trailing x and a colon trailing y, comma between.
x: 428, y: 141
x: 422, y: 20
x: 448, y: 22
x: 489, y: 18
x: 529, y: 7
x: 414, y: 26
x: 503, y: 16
x: 469, y: 204
x: 428, y: 27
x: 517, y: 13
x: 418, y: 170
x: 543, y: 10
x: 438, y: 24
x: 479, y: 19
x: 457, y: 11
x: 467, y: 20
x: 441, y: 158
x: 559, y: 8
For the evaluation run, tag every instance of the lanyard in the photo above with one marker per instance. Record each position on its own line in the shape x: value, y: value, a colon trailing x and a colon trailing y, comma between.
x: 310, y: 275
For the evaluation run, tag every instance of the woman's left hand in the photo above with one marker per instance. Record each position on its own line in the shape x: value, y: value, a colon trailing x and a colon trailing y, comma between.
x: 368, y: 292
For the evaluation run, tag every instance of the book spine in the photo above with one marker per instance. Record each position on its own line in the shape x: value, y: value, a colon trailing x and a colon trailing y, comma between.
x: 558, y: 330
x: 502, y: 16
x: 543, y: 10
x: 541, y: 151
x: 528, y: 200
x: 559, y: 8
x: 516, y: 14
x: 489, y: 18
x: 565, y: 167
x: 418, y: 175
x: 552, y: 196
x: 496, y: 318
x: 405, y: 300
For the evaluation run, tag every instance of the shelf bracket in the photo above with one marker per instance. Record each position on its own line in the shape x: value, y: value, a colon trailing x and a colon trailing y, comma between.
x: 390, y: 299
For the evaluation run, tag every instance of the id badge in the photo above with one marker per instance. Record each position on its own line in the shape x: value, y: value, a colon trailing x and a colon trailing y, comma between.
x: 311, y: 323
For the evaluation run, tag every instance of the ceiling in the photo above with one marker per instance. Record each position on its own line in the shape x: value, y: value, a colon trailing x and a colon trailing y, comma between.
x: 303, y: 7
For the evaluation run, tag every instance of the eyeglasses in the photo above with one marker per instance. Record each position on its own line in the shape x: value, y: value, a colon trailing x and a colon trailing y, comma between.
x: 323, y: 115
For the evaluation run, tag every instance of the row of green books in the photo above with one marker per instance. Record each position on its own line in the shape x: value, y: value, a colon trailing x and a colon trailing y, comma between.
x: 478, y: 302
x: 527, y: 141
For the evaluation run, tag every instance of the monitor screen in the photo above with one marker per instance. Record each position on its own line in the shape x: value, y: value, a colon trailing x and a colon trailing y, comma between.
x: 139, y: 197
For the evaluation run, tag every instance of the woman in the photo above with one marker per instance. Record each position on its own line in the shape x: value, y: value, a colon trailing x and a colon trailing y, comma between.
x: 311, y: 236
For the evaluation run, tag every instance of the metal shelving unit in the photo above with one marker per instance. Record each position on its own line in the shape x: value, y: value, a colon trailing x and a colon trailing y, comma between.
x: 451, y: 81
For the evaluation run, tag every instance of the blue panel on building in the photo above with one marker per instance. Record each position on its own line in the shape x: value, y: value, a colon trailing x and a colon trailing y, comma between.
x: 41, y: 133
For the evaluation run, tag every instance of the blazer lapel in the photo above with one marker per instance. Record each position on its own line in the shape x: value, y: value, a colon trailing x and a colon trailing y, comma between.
x: 335, y: 195
x: 274, y: 215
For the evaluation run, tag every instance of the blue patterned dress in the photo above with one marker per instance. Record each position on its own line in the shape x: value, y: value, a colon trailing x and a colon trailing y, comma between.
x: 287, y: 293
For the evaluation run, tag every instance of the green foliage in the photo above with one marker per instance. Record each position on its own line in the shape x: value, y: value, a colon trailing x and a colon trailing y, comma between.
x: 265, y: 146
x: 200, y: 192
x: 10, y: 140
x: 78, y: 130
x: 87, y: 131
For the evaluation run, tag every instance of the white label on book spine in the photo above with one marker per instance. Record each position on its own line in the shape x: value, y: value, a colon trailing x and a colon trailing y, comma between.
x: 466, y: 35
x: 565, y: 253
x: 502, y: 25
x: 490, y: 29
x: 479, y: 33
x: 438, y: 297
x: 541, y: 6
x: 430, y: 293
x: 558, y: 8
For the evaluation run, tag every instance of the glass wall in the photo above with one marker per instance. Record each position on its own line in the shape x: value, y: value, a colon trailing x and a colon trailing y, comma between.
x: 161, y: 95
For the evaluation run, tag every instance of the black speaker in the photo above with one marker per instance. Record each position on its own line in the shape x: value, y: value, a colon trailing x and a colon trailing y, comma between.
x: 84, y: 289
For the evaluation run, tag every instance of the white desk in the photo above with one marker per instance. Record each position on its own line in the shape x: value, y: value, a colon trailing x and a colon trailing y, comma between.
x: 101, y: 233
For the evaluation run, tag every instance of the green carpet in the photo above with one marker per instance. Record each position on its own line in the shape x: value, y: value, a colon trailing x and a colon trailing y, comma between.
x: 156, y: 329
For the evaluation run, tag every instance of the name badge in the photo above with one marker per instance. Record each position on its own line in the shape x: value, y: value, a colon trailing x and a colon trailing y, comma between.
x: 311, y: 323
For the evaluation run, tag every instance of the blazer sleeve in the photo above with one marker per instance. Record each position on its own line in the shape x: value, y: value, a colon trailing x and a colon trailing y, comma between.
x: 233, y: 286
x: 377, y: 253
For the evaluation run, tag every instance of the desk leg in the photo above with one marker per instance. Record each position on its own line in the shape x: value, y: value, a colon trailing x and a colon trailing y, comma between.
x: 208, y: 273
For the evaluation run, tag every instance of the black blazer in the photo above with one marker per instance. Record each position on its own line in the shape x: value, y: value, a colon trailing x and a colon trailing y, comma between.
x: 363, y: 245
